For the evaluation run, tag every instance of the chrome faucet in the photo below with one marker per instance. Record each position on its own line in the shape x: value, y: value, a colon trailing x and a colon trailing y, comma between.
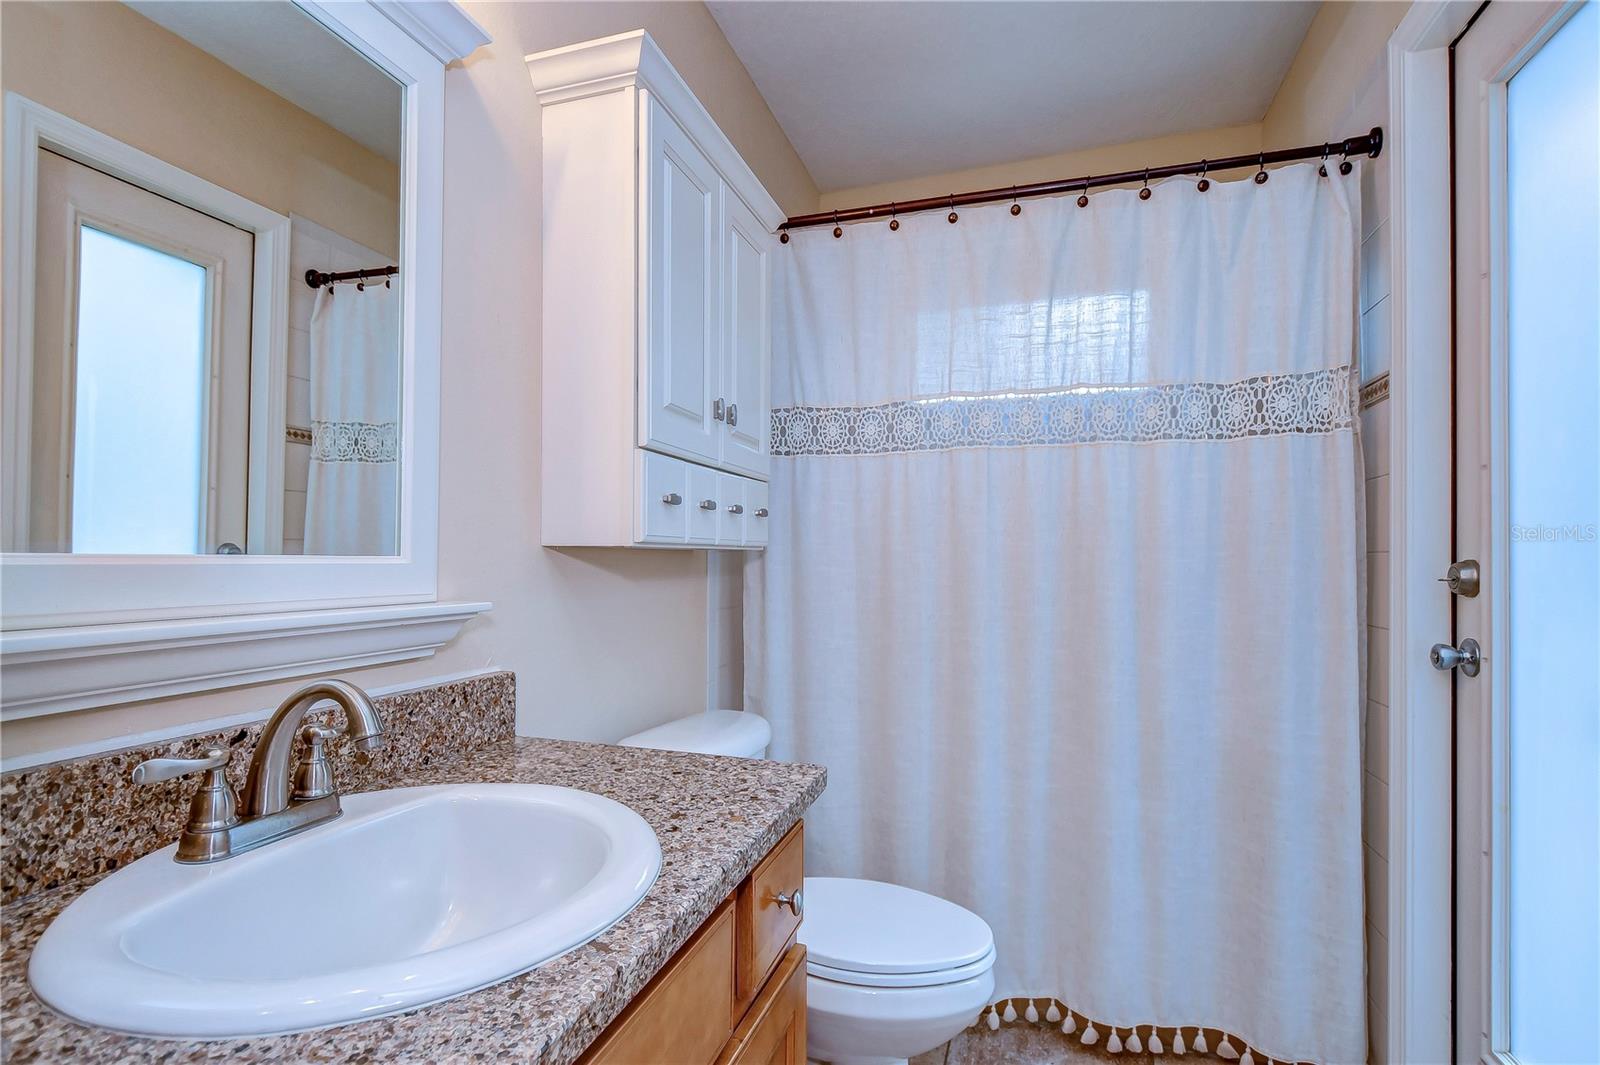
x: 278, y: 801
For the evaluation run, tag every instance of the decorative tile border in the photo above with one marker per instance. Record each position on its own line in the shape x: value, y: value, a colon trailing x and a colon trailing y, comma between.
x: 1375, y: 391
x: 73, y: 819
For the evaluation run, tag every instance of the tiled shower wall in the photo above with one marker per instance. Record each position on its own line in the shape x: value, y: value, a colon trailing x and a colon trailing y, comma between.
x: 725, y: 635
x: 1375, y: 341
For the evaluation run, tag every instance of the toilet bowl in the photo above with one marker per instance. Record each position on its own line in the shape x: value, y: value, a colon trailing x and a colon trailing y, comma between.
x: 890, y: 971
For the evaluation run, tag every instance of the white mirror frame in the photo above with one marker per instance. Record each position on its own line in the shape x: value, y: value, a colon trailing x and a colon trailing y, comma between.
x: 93, y: 630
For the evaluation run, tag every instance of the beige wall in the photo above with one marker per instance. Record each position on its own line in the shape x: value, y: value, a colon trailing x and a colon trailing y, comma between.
x: 115, y: 70
x: 1114, y: 158
x: 1337, y: 86
x: 603, y: 642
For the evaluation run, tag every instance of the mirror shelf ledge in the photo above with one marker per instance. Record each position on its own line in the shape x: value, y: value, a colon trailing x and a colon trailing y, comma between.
x: 57, y: 670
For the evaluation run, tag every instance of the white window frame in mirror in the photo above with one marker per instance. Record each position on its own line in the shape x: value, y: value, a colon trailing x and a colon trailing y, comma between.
x: 163, y: 625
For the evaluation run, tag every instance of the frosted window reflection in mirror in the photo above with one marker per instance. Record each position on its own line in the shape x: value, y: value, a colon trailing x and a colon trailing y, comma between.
x: 187, y: 388
x: 140, y: 391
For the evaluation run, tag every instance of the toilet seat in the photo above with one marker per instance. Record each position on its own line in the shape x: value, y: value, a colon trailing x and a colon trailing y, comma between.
x: 870, y: 934
x: 922, y: 979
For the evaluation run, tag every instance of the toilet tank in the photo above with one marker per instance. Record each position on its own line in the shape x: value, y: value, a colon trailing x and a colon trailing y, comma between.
x: 730, y: 732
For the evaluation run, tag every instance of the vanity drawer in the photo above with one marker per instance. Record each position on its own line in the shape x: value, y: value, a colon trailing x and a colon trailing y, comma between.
x: 766, y: 928
x: 685, y: 1015
x: 773, y: 1032
x: 664, y: 510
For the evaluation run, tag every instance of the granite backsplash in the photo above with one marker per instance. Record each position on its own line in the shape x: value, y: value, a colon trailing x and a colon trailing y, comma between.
x: 68, y: 820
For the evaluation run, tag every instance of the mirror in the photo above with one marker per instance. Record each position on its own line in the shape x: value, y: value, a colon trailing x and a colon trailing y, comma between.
x: 211, y: 356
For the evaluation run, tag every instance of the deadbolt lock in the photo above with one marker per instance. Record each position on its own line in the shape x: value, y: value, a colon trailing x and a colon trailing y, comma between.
x: 1463, y: 578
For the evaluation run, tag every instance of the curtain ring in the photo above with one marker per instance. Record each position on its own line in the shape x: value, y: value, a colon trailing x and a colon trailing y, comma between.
x: 894, y: 223
x: 952, y: 216
x: 1016, y: 208
x: 1204, y: 183
x: 1322, y: 169
x: 1144, y: 193
x: 783, y: 238
x: 1083, y: 198
x: 1345, y: 166
x: 1261, y: 172
x: 838, y: 231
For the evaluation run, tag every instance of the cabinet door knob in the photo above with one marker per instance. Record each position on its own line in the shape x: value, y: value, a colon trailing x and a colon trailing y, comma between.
x: 708, y: 504
x: 717, y: 410
x: 672, y: 499
x: 794, y: 901
x: 733, y: 414
x: 761, y: 512
x: 735, y: 508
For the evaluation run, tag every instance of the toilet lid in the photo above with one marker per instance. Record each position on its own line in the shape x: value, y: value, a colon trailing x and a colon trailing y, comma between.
x: 865, y: 926
x: 731, y: 732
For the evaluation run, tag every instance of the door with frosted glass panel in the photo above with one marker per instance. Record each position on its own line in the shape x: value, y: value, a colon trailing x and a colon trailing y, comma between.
x: 1526, y: 141
x: 141, y: 371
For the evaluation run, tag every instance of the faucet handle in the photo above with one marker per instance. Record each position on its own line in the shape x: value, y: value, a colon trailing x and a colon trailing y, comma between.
x: 212, y: 811
x: 158, y: 769
x: 313, y: 777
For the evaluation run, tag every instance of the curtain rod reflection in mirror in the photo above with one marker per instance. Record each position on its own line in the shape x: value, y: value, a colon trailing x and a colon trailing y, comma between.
x: 317, y: 278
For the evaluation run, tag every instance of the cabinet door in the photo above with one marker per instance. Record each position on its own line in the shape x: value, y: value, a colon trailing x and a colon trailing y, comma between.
x: 678, y: 369
x: 773, y: 1031
x: 746, y: 335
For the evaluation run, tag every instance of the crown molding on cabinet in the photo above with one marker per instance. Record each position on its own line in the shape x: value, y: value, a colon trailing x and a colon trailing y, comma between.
x: 48, y: 671
x: 443, y: 27
x: 633, y: 60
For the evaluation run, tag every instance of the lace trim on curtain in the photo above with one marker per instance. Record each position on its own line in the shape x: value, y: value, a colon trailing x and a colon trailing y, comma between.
x: 1155, y: 1039
x: 355, y: 441
x: 1317, y: 401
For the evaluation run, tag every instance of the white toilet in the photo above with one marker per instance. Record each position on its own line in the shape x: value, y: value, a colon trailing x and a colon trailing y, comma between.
x: 890, y: 971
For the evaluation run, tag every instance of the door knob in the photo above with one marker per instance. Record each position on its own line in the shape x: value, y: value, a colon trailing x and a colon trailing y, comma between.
x: 1468, y: 657
x: 1463, y: 578
x: 708, y: 504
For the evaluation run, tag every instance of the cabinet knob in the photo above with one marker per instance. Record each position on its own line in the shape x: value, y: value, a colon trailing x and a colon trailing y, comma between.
x: 735, y: 508
x: 794, y: 901
x: 717, y: 410
x: 672, y: 499
x: 761, y: 512
x: 733, y: 414
x: 708, y: 504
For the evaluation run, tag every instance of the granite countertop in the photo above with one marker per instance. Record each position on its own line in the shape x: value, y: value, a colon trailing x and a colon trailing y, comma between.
x: 715, y: 817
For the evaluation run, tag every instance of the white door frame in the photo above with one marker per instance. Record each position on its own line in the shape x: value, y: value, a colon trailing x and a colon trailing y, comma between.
x: 30, y: 127
x: 1420, y: 742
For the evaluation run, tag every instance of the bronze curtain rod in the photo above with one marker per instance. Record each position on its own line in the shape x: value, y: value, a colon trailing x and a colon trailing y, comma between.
x: 1369, y: 144
x: 317, y: 278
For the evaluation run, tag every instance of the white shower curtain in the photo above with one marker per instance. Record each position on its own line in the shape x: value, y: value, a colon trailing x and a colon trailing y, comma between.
x: 353, y: 487
x: 1065, y: 589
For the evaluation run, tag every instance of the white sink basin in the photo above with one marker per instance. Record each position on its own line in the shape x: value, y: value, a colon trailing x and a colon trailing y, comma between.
x: 412, y: 896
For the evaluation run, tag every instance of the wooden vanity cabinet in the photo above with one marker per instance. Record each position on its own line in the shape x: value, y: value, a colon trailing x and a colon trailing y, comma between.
x: 735, y: 993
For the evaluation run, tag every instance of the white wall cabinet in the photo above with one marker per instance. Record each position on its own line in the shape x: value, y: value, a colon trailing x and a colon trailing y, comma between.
x: 658, y: 244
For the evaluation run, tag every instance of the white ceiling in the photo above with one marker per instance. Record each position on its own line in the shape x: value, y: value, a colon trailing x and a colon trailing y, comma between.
x: 882, y: 91
x: 279, y: 46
